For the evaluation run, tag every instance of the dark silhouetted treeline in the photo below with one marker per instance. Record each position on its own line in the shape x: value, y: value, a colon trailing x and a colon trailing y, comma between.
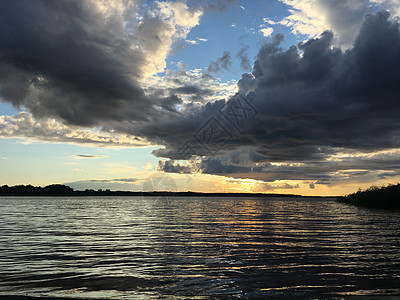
x: 386, y: 197
x: 63, y: 190
x: 29, y: 190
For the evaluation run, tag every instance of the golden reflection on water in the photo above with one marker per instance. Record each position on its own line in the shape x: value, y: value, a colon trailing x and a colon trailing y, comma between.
x: 196, y: 247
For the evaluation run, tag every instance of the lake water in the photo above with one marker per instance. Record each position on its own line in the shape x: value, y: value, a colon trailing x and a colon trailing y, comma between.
x: 196, y: 248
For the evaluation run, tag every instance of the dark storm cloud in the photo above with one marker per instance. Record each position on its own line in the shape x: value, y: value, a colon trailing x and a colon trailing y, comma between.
x: 322, y: 97
x: 325, y: 97
x: 170, y: 167
x: 247, y: 83
x: 314, y: 99
x: 63, y: 59
x: 213, y: 5
x: 89, y: 156
x: 221, y: 64
x: 238, y: 164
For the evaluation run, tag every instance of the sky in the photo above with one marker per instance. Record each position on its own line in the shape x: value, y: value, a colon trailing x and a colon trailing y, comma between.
x: 278, y: 96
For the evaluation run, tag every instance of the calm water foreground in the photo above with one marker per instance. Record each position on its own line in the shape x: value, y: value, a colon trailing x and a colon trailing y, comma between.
x: 196, y: 248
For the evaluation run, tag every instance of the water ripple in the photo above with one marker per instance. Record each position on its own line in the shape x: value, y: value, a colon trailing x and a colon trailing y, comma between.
x: 195, y: 248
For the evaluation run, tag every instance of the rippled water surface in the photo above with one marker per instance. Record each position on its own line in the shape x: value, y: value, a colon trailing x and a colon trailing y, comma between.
x: 195, y: 248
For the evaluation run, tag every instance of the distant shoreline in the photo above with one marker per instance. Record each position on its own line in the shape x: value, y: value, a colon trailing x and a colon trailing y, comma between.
x: 58, y: 190
x: 178, y: 194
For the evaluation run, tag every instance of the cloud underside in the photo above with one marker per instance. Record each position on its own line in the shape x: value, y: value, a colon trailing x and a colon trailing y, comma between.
x: 26, y: 127
x: 82, y: 156
x: 312, y: 102
x: 335, y: 169
x: 308, y: 103
x: 83, y: 62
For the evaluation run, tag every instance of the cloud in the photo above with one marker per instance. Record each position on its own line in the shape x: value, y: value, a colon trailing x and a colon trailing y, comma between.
x: 148, y: 166
x: 81, y: 75
x: 214, y: 5
x: 79, y: 156
x: 244, y: 59
x: 312, y: 102
x: 194, y: 87
x: 269, y: 21
x: 162, y: 25
x: 84, y: 62
x: 126, y: 184
x: 393, y: 6
x: 124, y: 180
x: 326, y: 97
x: 266, y: 31
x: 94, y: 91
x: 285, y: 186
x: 170, y: 166
x: 335, y: 169
x: 221, y: 64
x: 192, y: 42
x: 196, y: 41
x: 117, y: 168
x: 78, y: 65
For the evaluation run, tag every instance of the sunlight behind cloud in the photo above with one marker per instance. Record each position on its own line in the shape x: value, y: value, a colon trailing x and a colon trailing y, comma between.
x: 25, y: 126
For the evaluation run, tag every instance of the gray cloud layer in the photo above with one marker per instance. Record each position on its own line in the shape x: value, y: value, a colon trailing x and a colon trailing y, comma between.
x: 63, y: 59
x: 314, y: 100
x: 318, y: 98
